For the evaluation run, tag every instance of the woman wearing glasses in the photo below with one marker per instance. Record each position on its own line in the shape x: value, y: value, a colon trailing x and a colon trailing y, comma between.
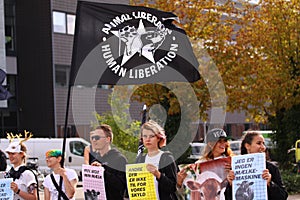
x: 160, y: 163
x: 100, y: 153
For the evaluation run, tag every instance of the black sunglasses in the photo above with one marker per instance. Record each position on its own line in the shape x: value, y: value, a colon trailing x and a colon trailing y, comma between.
x: 97, y: 137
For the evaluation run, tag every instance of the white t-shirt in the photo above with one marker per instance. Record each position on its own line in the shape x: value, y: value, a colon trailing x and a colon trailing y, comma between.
x: 71, y: 174
x: 26, y: 179
x: 154, y: 161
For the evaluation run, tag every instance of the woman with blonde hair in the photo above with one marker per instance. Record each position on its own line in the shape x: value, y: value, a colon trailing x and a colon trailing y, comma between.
x: 217, y: 146
x: 160, y: 163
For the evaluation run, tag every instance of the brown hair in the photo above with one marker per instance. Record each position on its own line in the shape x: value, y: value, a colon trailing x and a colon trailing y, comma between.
x: 107, y: 130
x: 247, y: 139
x: 24, y: 151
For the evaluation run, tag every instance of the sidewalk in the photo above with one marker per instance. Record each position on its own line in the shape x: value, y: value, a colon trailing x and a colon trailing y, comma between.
x: 79, y: 195
x: 294, y: 197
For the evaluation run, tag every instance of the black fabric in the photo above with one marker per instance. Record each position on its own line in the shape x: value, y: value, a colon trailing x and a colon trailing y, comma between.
x: 98, y: 52
x: 276, y: 189
x: 114, y: 164
x: 12, y: 173
x: 168, y: 179
x: 58, y: 188
x: 3, y: 163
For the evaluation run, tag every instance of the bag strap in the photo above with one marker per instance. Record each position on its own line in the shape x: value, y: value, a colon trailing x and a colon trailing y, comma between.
x: 37, y: 182
x: 58, y: 188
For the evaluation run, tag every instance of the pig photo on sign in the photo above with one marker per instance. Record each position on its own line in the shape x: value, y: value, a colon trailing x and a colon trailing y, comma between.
x: 244, y: 191
x: 207, y: 186
x: 91, y: 195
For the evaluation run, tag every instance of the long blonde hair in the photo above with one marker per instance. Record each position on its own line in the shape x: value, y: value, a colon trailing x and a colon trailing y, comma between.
x: 208, y: 151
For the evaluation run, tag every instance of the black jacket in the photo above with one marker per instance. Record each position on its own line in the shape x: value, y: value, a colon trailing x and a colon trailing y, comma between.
x: 168, y: 178
x: 114, y: 164
x: 276, y: 189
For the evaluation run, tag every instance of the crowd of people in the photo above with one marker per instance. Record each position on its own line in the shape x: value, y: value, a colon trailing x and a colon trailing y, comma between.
x: 169, y: 179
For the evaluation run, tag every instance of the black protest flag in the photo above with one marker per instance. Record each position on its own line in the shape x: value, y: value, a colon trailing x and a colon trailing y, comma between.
x: 122, y: 44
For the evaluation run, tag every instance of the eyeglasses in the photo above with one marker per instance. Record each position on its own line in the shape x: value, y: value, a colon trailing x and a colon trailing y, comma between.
x: 97, y: 137
x: 148, y: 136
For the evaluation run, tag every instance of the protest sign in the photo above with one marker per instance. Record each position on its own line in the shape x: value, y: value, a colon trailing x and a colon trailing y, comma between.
x: 93, y: 182
x: 140, y: 182
x: 207, y: 179
x: 5, y: 192
x: 248, y: 180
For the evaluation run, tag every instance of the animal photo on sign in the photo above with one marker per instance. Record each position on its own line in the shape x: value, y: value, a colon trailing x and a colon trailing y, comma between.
x: 91, y: 195
x: 208, y: 180
x: 244, y: 191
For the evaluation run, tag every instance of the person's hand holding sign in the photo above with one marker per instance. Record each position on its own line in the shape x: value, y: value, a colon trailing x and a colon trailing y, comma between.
x: 96, y: 163
x: 267, y: 176
x: 153, y: 170
x: 14, y: 187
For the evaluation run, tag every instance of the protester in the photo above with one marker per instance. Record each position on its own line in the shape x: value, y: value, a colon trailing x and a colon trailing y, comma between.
x: 216, y: 147
x: 52, y: 181
x: 100, y: 153
x: 253, y: 142
x: 3, y: 163
x: 24, y: 183
x: 160, y: 163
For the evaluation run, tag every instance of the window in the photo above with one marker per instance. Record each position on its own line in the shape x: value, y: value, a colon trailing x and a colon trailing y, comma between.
x: 63, y: 23
x: 59, y: 22
x: 10, y: 27
x: 62, y: 75
x: 71, y: 24
x: 77, y: 148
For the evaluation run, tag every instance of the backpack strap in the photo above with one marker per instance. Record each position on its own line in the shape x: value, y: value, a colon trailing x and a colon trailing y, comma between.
x: 37, y: 182
x: 58, y: 188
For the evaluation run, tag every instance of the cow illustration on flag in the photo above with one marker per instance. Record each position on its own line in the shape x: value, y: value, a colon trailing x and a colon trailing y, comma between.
x: 122, y: 44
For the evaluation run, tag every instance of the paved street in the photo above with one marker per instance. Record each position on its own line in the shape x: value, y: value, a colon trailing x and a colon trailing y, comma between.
x: 79, y: 195
x: 294, y: 197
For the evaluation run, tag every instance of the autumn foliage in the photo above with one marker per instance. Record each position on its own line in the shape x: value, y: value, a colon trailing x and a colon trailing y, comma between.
x: 253, y: 49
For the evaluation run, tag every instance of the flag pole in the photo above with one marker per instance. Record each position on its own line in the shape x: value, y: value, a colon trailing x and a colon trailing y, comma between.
x: 65, y: 136
x: 144, y: 119
x: 65, y: 126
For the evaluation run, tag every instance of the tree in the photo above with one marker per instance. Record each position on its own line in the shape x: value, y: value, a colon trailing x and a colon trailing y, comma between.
x: 125, y: 130
x: 255, y: 47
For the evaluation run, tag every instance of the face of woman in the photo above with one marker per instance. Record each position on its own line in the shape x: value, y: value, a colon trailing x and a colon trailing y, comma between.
x: 257, y: 145
x: 15, y: 158
x: 150, y: 140
x: 219, y: 148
